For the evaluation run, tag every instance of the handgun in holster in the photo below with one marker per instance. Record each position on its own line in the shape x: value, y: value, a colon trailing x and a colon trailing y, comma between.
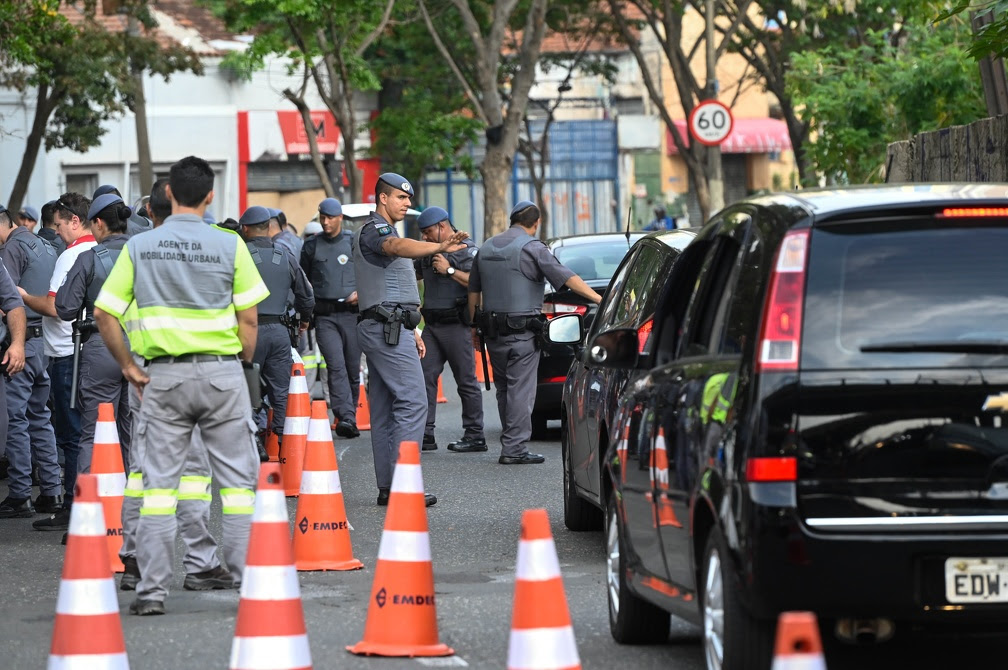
x: 391, y: 327
x: 289, y: 320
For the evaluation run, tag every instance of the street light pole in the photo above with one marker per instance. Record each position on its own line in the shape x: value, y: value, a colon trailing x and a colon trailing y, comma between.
x: 715, y: 177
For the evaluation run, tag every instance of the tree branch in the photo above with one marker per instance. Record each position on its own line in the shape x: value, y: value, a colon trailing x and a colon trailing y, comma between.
x: 470, y: 94
x: 386, y: 15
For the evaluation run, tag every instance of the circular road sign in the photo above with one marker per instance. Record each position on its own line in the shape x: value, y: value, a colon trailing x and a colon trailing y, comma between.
x: 710, y: 122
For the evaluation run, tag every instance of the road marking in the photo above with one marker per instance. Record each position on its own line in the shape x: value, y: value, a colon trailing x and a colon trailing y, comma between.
x: 445, y: 662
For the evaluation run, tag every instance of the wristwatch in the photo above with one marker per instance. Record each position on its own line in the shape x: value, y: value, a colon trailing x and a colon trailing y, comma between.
x: 450, y: 271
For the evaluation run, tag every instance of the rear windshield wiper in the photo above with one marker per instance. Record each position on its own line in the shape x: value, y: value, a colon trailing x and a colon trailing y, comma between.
x: 953, y: 347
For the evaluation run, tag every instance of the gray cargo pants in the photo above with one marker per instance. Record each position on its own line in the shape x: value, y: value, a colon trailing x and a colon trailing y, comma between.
x: 452, y: 343
x: 180, y: 397
x: 29, y: 428
x: 101, y: 381
x: 515, y: 361
x: 395, y: 394
x: 273, y: 354
x: 340, y: 344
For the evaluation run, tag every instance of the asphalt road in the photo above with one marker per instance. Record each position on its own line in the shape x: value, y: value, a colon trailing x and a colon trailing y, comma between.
x: 474, y: 532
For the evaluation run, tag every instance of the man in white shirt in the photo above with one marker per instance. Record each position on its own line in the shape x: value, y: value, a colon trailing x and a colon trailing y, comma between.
x: 58, y: 346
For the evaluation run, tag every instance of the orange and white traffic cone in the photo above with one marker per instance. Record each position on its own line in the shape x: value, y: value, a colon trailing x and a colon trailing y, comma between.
x: 440, y: 392
x: 402, y: 619
x: 295, y: 436
x: 798, y: 646
x: 321, y: 529
x: 541, y: 632
x: 659, y: 473
x: 363, y: 410
x: 87, y: 632
x: 107, y: 465
x: 272, y: 441
x: 479, y: 368
x: 270, y: 630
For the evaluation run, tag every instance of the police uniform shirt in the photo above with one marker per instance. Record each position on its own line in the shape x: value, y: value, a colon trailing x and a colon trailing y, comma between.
x: 289, y: 242
x: 53, y: 238
x: 10, y: 297
x: 537, y: 263
x: 71, y: 295
x: 460, y: 260
x: 168, y: 319
x: 304, y: 296
x: 373, y: 234
x: 15, y: 256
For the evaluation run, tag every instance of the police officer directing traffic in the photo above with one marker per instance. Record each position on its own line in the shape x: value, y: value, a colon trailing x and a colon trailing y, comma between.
x: 389, y: 303
x: 196, y: 289
x: 446, y: 334
x: 511, y: 271
x: 328, y: 260
x: 282, y: 276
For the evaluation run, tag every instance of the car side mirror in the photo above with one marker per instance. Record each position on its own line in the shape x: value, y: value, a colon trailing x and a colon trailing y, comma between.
x: 616, y: 348
x: 566, y: 329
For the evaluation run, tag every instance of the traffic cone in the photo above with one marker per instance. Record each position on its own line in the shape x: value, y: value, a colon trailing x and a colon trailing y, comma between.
x: 798, y: 646
x: 295, y: 436
x: 87, y: 632
x: 440, y: 392
x: 272, y: 441
x: 363, y: 410
x: 479, y: 368
x: 321, y: 529
x: 107, y: 465
x: 541, y: 632
x: 270, y: 629
x: 401, y: 618
x: 659, y: 475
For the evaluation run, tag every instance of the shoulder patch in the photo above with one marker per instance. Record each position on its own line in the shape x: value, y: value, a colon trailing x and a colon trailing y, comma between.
x: 383, y: 229
x: 473, y: 251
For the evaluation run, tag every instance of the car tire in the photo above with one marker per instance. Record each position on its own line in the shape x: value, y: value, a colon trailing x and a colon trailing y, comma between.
x: 539, y: 420
x: 579, y: 514
x: 732, y: 639
x: 632, y: 620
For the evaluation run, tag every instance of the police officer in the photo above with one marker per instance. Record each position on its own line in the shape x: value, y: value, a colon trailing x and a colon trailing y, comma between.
x: 286, y: 238
x: 389, y: 303
x: 510, y: 271
x: 136, y: 223
x: 282, y: 275
x: 30, y: 437
x: 48, y: 230
x: 18, y: 500
x: 100, y: 379
x: 446, y: 335
x: 329, y: 262
x: 28, y: 217
x: 196, y: 290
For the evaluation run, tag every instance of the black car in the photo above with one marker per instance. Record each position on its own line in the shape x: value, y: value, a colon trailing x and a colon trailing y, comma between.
x: 815, y: 422
x: 594, y: 257
x: 591, y: 392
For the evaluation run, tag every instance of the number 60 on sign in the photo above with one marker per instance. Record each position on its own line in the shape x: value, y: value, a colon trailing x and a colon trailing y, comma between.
x: 710, y: 122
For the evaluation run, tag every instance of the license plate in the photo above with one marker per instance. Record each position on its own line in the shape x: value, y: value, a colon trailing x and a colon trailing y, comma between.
x: 976, y: 580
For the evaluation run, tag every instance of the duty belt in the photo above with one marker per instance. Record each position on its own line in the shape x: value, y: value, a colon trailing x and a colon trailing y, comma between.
x: 33, y: 331
x: 193, y: 358
x: 324, y: 307
x: 265, y: 319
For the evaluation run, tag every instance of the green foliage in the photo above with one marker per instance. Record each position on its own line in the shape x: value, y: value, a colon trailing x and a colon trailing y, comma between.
x: 992, y: 38
x: 889, y: 85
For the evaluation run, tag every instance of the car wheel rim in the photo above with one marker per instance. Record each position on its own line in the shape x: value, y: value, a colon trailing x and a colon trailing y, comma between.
x: 713, y: 612
x: 613, y: 565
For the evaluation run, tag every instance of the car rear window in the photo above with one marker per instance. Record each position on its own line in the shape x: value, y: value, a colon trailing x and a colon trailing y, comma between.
x: 907, y: 295
x: 593, y: 261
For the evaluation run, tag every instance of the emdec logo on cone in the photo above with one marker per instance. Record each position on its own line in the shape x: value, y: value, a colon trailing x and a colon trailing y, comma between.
x: 421, y: 599
x: 380, y: 597
x: 304, y: 525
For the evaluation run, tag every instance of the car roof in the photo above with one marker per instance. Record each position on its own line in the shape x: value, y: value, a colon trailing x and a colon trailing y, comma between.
x: 823, y: 203
x: 591, y: 238
x: 356, y: 210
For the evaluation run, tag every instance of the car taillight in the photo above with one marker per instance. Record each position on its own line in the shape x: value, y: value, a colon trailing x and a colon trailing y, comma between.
x: 973, y: 212
x: 780, y: 335
x: 552, y: 309
x: 643, y: 334
x: 772, y: 469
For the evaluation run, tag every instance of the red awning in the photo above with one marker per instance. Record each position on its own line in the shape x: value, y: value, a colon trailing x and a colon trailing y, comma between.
x: 748, y: 136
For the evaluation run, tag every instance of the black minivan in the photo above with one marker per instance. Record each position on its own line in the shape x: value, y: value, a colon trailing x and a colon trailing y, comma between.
x: 816, y: 422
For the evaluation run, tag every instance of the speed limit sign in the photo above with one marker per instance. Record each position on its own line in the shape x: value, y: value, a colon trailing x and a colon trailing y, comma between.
x: 710, y: 122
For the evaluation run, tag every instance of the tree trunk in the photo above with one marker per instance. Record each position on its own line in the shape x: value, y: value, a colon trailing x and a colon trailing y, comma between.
x: 44, y: 106
x: 145, y: 164
x: 496, y: 172
x: 309, y: 127
x: 355, y: 177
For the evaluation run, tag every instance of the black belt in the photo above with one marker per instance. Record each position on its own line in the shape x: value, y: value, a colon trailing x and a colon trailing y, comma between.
x: 194, y: 358
x: 325, y: 307
x: 446, y: 316
x: 265, y: 319
x: 372, y: 313
x: 33, y: 331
